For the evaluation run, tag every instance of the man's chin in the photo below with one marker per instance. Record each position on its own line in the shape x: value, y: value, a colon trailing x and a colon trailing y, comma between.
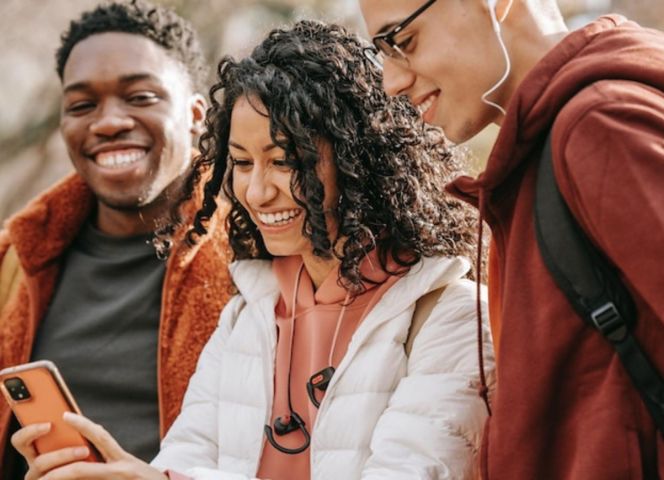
x: 153, y: 198
x: 458, y: 133
x: 122, y: 204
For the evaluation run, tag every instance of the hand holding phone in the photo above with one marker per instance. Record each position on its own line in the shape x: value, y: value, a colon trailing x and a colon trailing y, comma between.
x: 37, y: 394
x: 51, y: 441
x: 66, y: 465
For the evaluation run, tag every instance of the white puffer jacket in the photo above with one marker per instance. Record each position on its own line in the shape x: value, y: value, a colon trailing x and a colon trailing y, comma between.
x: 384, y: 415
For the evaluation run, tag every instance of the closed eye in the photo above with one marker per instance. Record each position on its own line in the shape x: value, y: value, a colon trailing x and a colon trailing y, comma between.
x: 143, y: 98
x: 405, y: 43
x: 281, y: 164
x: 240, y: 163
x: 80, y: 108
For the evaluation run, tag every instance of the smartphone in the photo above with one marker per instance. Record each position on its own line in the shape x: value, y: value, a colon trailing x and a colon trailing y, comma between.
x: 37, y: 393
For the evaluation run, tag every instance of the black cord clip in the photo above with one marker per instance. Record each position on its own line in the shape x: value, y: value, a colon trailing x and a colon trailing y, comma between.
x: 319, y: 381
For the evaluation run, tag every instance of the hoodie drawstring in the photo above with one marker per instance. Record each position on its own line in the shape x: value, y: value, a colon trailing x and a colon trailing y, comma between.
x: 483, y: 389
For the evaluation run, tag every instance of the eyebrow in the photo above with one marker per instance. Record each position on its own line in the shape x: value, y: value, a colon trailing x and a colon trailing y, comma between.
x: 266, y: 148
x: 124, y: 79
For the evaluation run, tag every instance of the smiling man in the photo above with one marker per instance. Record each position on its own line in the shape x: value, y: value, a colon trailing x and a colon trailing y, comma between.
x: 124, y: 327
x: 565, y: 407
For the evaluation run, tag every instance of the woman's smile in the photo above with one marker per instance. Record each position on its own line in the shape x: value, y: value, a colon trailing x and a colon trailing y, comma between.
x: 280, y: 217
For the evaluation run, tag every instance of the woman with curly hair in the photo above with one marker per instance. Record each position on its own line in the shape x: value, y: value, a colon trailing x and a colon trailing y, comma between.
x: 349, y: 351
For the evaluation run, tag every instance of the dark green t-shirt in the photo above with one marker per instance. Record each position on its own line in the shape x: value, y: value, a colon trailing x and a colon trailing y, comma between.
x: 101, y: 330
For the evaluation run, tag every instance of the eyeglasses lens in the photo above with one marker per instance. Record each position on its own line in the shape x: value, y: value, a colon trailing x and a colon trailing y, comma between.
x: 375, y: 57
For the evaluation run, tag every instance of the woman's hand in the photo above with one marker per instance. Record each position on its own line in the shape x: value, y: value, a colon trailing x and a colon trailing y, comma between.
x: 23, y: 440
x: 67, y: 464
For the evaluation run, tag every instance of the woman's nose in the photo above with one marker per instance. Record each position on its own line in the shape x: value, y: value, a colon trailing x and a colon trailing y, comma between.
x: 261, y: 189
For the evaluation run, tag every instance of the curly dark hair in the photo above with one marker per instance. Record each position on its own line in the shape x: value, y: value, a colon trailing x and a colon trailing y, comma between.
x: 160, y: 24
x: 316, y: 84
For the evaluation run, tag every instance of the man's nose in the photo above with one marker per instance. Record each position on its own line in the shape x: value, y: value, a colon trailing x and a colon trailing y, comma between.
x: 111, y: 120
x: 397, y: 77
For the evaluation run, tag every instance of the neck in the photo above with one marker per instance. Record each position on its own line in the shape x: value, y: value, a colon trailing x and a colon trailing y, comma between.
x: 529, y: 34
x: 318, y: 268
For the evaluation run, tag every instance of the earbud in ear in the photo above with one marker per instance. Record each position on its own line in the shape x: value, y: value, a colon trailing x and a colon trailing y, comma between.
x: 492, y: 13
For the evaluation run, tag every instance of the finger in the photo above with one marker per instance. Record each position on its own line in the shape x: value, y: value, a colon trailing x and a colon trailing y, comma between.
x: 80, y: 471
x: 100, y: 438
x: 132, y: 468
x: 49, y: 461
x: 23, y: 440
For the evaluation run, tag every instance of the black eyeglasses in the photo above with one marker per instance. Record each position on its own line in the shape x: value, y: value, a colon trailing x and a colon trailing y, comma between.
x: 384, y: 42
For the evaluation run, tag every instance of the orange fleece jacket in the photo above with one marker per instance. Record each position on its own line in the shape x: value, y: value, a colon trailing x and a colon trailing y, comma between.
x: 196, y: 287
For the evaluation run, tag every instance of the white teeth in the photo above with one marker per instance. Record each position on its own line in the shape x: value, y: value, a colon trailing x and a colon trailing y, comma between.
x: 424, y: 106
x: 119, y: 158
x: 279, y: 218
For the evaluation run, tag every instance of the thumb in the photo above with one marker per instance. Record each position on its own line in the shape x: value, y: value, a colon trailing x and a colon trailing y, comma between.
x: 98, y: 436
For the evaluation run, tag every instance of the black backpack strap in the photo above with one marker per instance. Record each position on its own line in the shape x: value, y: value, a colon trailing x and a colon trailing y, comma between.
x: 591, y: 284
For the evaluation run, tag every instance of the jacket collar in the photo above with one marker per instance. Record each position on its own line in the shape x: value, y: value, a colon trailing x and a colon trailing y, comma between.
x: 44, y: 229
x: 424, y: 277
x: 255, y: 280
x: 48, y: 225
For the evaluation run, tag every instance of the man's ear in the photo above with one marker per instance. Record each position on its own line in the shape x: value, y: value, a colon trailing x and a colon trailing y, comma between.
x: 198, y: 106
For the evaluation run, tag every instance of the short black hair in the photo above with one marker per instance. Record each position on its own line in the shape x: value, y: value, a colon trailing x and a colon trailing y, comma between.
x: 160, y: 24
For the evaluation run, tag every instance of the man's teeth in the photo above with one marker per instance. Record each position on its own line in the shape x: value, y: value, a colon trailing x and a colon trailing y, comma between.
x: 278, y: 218
x: 425, y: 105
x: 119, y: 158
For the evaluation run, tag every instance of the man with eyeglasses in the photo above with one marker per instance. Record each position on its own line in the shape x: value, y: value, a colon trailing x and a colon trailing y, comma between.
x: 565, y: 407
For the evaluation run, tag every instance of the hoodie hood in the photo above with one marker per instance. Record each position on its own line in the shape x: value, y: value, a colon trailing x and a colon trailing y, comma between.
x: 256, y: 279
x: 610, y: 48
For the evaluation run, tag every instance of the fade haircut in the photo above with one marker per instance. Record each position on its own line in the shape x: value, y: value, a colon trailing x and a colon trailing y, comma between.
x: 160, y: 24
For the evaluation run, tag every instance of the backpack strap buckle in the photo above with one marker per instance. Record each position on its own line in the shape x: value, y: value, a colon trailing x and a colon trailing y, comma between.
x: 609, y: 322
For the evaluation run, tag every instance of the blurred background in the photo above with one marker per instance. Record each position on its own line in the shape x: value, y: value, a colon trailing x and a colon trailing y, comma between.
x: 32, y: 155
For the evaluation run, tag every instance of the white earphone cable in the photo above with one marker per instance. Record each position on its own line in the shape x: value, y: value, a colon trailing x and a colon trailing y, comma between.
x: 503, y: 48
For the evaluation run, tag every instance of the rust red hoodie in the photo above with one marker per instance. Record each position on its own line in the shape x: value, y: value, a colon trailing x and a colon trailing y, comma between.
x: 564, y: 407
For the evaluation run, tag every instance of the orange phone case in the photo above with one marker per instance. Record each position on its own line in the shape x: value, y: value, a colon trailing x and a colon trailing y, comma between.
x: 49, y: 400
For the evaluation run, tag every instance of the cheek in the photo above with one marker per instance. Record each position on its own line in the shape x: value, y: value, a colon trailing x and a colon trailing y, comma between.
x: 71, y: 132
x: 167, y: 127
x: 167, y: 131
x: 449, y: 58
x: 282, y: 182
